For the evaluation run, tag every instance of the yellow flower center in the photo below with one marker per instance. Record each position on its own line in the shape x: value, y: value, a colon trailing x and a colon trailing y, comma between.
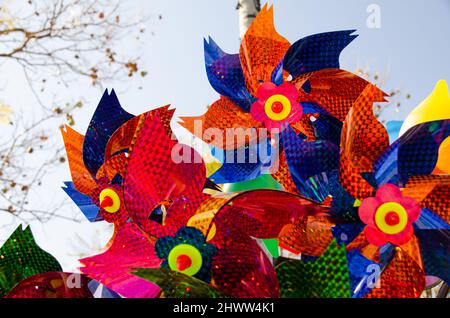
x: 391, y: 218
x: 109, y: 200
x: 277, y: 107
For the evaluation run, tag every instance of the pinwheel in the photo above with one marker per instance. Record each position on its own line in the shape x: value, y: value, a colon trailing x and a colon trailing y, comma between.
x: 297, y: 92
x: 143, y: 192
x: 98, y: 159
x: 402, y: 220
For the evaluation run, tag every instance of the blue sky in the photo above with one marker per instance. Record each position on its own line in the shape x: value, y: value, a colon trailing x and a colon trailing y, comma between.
x: 412, y: 45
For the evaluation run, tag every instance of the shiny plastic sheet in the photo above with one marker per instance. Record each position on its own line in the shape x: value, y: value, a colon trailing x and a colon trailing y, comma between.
x: 225, y: 75
x: 309, y: 235
x: 101, y: 291
x: 52, y: 285
x: 438, y: 201
x: 414, y: 153
x: 130, y: 249
x: 361, y: 271
x: 283, y: 176
x: 327, y: 128
x: 304, y: 127
x: 316, y: 52
x: 326, y: 277
x: 308, y: 159
x: 263, y: 213
x: 155, y: 181
x: 108, y: 116
x: 73, y: 142
x: 430, y: 221
x: 346, y: 233
x: 177, y: 285
x: 402, y: 278
x: 245, y: 163
x: 434, y: 249
x: 90, y: 210
x: 222, y: 115
x: 241, y: 268
x: 359, y: 242
x: 204, y: 215
x: 21, y: 257
x: 433, y: 193
x: 364, y: 139
x: 334, y: 90
x: 122, y: 139
x: 113, y: 167
x: 262, y: 48
x: 343, y: 204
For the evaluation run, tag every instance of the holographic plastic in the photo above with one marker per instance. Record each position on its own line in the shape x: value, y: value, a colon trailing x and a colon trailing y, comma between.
x: 21, y: 257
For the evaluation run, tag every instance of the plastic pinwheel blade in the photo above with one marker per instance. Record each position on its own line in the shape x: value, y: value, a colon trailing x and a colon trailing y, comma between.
x: 264, y: 213
x: 308, y: 160
x: 333, y: 90
x: 221, y: 115
x: 326, y: 277
x: 178, y: 285
x: 101, y: 291
x: 415, y: 153
x: 262, y: 49
x: 241, y: 268
x: 327, y: 127
x: 130, y: 249
x: 283, y: 176
x: 90, y: 210
x: 362, y: 273
x: 316, y: 52
x: 225, y: 75
x: 310, y: 236
x: 21, y: 257
x: 122, y: 139
x: 81, y: 177
x: 52, y: 285
x: 402, y: 278
x: 364, y: 140
x: 161, y: 171
x: 434, y: 249
x: 433, y: 193
x: 108, y: 116
x: 243, y: 164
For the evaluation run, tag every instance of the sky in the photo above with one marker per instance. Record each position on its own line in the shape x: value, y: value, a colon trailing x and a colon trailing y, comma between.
x: 411, y: 47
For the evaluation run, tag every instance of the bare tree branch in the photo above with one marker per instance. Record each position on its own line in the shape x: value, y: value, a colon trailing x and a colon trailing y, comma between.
x: 55, y: 43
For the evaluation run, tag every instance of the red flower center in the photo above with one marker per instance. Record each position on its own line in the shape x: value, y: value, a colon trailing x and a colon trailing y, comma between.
x: 183, y: 262
x: 392, y: 218
x: 106, y: 202
x: 277, y: 107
